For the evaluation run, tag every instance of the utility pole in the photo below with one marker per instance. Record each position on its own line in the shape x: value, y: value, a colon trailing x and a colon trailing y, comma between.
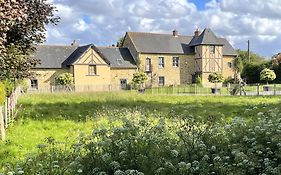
x: 249, y: 51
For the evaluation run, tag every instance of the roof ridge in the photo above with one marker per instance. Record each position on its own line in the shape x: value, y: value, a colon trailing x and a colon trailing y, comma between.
x: 170, y: 34
x: 107, y: 47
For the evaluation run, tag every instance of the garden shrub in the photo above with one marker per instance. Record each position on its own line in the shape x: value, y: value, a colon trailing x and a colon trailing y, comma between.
x: 9, y: 87
x: 190, y: 145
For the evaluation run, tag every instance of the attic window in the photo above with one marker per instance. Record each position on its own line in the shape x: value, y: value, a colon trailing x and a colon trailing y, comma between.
x: 212, y: 49
x: 119, y: 61
x: 92, y: 70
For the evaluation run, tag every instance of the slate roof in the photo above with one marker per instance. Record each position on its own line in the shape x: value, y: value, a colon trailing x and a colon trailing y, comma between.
x: 118, y: 57
x: 76, y: 55
x: 167, y: 43
x: 160, y: 43
x: 53, y: 56
x: 207, y: 37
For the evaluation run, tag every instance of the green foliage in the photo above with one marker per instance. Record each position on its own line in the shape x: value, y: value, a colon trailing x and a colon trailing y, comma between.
x: 9, y: 87
x: 254, y: 58
x: 229, y: 80
x: 65, y: 79
x: 191, y: 145
x: 267, y: 75
x: 139, y: 79
x: 120, y: 41
x: 2, y: 94
x: 215, y: 77
x: 198, y: 80
x: 22, y: 26
x: 251, y: 72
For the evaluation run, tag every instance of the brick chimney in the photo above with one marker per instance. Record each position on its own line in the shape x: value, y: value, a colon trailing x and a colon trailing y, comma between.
x: 175, y: 33
x: 197, y: 32
x: 75, y: 43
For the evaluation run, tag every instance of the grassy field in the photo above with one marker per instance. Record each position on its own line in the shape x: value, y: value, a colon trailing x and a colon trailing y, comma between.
x: 66, y: 116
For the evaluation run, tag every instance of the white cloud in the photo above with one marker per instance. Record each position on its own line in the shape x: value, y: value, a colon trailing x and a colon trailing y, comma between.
x: 103, y: 22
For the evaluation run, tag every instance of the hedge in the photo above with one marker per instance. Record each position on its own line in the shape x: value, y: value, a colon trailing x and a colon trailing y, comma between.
x: 2, y: 93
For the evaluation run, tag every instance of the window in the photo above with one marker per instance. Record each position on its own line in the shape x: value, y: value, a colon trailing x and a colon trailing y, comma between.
x: 161, y: 62
x: 92, y: 70
x: 229, y: 64
x: 176, y: 61
x: 212, y: 49
x: 119, y: 61
x: 148, y: 64
x: 161, y: 81
x: 34, y: 84
x: 123, y: 83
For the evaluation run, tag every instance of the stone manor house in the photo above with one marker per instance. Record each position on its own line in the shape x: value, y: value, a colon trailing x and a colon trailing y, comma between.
x: 167, y: 59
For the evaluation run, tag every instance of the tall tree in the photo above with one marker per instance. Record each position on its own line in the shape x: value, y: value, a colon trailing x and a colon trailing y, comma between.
x: 23, y: 24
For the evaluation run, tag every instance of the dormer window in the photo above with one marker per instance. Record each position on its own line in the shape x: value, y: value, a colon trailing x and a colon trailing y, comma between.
x: 119, y: 61
x: 212, y: 49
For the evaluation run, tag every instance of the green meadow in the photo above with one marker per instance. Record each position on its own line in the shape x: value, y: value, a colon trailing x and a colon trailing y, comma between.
x: 67, y: 116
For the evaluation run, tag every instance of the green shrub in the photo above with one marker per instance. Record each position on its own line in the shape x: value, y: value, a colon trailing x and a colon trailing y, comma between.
x: 65, y: 79
x: 2, y: 94
x: 267, y: 75
x: 189, y: 146
x: 9, y: 87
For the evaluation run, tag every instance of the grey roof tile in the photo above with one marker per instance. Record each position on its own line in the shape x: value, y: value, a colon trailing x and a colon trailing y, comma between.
x: 53, y: 56
x: 160, y: 43
x: 167, y: 43
x: 118, y: 57
x: 207, y: 37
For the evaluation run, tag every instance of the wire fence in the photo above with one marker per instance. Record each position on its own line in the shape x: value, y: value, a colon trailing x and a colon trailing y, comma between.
x: 230, y: 89
x: 8, y: 111
x: 191, y: 89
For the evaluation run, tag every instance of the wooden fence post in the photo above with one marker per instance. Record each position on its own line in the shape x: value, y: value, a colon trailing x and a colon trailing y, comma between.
x: 6, y: 113
x: 258, y: 89
x: 2, y: 125
x: 274, y: 91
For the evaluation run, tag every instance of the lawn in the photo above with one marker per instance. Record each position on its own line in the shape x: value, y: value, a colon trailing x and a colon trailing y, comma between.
x: 66, y: 116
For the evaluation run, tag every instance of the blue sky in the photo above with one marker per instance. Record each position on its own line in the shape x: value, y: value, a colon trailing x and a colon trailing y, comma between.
x: 102, y: 22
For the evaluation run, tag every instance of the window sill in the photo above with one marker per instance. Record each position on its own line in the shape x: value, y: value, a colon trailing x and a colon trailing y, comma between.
x: 92, y: 75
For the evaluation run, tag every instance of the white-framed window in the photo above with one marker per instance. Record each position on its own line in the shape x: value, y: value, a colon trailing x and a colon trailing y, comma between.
x: 34, y: 84
x: 123, y: 83
x: 176, y: 61
x: 92, y: 70
x: 229, y: 65
x: 161, y: 62
x: 212, y: 49
x: 161, y: 80
x: 148, y: 65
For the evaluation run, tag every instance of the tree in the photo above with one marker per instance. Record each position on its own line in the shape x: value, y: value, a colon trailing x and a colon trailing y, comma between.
x: 238, y: 68
x: 254, y: 58
x: 65, y: 79
x: 22, y: 26
x: 139, y: 79
x: 267, y: 75
x: 120, y: 41
x: 215, y: 77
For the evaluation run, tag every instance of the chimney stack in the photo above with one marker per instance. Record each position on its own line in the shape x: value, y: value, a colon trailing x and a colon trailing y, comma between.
x: 197, y: 32
x: 75, y: 43
x: 175, y: 33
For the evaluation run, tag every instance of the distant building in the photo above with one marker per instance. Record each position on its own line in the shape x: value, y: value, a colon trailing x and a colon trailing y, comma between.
x: 168, y: 59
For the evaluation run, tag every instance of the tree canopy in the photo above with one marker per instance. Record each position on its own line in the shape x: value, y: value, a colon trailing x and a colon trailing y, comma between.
x: 267, y: 75
x: 215, y: 77
x: 23, y: 24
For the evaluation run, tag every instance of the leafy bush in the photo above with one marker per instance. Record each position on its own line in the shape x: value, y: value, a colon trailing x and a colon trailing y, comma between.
x: 215, y: 77
x: 267, y: 75
x: 2, y: 93
x: 139, y: 79
x: 190, y: 145
x: 9, y: 86
x: 65, y: 79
